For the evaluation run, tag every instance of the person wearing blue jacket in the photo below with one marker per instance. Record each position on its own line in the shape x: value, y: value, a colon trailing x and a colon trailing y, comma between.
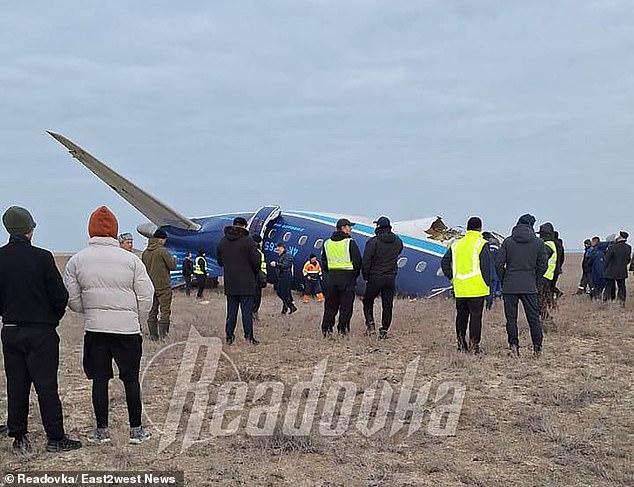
x: 284, y: 269
x: 496, y: 285
x: 597, y: 261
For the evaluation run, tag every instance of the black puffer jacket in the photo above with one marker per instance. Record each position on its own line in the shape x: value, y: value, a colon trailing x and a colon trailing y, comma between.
x: 521, y: 258
x: 31, y: 289
x: 238, y: 254
x: 380, y: 255
x: 616, y: 260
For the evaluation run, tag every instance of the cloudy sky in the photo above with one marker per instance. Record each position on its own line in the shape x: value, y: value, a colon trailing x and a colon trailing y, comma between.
x: 404, y: 108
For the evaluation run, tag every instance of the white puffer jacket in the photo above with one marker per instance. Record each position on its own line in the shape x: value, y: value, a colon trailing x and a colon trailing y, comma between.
x: 110, y: 286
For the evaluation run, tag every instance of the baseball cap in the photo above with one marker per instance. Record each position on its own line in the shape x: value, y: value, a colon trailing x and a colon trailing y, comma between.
x: 383, y: 222
x: 342, y: 222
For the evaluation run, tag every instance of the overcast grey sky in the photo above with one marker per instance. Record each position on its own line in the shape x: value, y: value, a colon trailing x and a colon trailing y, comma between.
x: 416, y: 108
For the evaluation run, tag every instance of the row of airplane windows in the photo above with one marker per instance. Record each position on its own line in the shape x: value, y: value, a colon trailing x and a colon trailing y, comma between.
x: 402, y: 262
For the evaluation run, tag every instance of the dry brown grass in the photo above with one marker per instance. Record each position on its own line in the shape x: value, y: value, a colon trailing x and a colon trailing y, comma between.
x: 565, y: 419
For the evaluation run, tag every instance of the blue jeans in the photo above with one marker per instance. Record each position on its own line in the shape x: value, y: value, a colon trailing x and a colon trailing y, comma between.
x: 246, y: 307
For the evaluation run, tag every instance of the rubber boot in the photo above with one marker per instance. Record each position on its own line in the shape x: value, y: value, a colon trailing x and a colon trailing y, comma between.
x: 163, y: 330
x: 153, y: 327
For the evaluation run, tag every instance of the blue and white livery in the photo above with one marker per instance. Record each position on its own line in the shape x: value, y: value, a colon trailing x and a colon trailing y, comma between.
x: 303, y: 232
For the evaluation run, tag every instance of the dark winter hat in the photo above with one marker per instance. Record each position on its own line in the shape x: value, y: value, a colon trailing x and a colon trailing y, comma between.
x: 546, y: 230
x: 124, y: 237
x: 344, y: 222
x: 474, y: 223
x: 160, y: 234
x: 257, y: 238
x: 103, y: 223
x: 312, y: 256
x: 587, y: 241
x: 383, y: 222
x: 527, y: 219
x: 624, y: 235
x: 239, y: 222
x: 486, y: 235
x: 18, y: 220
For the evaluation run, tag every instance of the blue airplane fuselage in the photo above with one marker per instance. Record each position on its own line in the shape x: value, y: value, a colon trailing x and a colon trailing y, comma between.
x: 303, y: 233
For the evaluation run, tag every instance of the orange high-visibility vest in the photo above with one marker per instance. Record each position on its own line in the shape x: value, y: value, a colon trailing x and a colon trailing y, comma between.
x: 313, y: 269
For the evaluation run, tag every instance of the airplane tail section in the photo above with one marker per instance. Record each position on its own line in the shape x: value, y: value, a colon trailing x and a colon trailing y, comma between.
x: 157, y: 212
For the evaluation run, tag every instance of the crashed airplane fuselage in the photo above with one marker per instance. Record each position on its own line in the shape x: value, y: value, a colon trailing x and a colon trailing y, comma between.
x: 303, y: 232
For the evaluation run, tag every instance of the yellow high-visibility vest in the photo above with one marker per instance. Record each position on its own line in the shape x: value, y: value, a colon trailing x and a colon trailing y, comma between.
x: 467, y: 277
x: 552, y: 262
x: 262, y: 262
x: 338, y: 255
x: 198, y: 269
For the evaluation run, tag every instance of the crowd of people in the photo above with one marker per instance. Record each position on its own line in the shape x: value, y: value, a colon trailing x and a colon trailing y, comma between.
x: 115, y: 291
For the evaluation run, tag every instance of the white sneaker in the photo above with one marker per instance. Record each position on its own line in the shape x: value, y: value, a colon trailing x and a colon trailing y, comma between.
x: 138, y: 435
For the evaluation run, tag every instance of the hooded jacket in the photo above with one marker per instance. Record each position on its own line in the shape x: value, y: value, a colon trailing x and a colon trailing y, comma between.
x: 110, y: 286
x: 158, y: 262
x: 31, y: 289
x: 380, y: 254
x: 597, y: 261
x: 238, y: 254
x: 521, y: 259
x: 340, y: 277
x: 617, y: 258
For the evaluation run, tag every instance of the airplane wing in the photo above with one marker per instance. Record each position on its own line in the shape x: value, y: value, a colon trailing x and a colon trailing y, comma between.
x: 158, y: 213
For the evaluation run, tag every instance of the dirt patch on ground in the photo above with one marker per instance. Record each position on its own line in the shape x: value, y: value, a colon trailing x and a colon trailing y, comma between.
x: 565, y: 419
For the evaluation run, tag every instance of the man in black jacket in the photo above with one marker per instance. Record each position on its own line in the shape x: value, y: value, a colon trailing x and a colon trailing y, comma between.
x: 379, y: 269
x: 341, y: 264
x: 617, y: 258
x: 32, y: 302
x: 188, y: 271
x: 519, y: 263
x: 238, y: 254
x: 284, y: 270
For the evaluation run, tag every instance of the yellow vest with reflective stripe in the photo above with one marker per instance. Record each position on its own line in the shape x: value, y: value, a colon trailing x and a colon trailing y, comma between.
x: 338, y: 255
x: 552, y: 262
x: 465, y: 258
x: 262, y: 262
x: 197, y: 267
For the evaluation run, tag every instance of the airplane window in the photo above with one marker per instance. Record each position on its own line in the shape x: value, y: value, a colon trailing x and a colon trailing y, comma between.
x: 287, y: 236
x: 421, y: 266
x: 302, y: 240
x: 272, y: 233
x: 319, y: 243
x: 401, y: 262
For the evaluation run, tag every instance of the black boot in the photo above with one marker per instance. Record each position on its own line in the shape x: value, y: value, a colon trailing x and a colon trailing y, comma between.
x: 292, y: 308
x: 65, y: 444
x: 462, y: 345
x: 284, y: 309
x: 163, y: 330
x: 153, y: 327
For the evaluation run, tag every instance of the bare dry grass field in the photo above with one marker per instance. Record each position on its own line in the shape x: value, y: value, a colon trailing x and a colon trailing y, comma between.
x: 564, y: 419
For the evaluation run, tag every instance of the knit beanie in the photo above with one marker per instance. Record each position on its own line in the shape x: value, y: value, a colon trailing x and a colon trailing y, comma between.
x: 18, y: 221
x: 103, y: 223
x: 527, y: 219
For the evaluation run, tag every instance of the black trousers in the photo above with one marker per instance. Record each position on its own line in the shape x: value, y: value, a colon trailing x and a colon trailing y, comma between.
x: 283, y: 289
x: 610, y: 293
x: 201, y: 281
x: 245, y: 303
x: 386, y: 287
x: 188, y: 284
x: 100, y: 349
x: 31, y: 356
x: 338, y: 299
x: 257, y: 299
x: 469, y: 313
x: 531, y: 308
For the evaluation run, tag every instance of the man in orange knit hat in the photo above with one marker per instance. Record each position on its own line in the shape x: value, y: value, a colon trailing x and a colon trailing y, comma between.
x: 112, y: 289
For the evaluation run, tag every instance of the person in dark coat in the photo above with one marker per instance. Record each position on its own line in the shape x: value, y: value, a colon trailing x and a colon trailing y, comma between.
x: 617, y: 258
x: 340, y: 276
x: 496, y: 285
x: 379, y: 269
x: 561, y: 257
x: 522, y: 258
x: 585, y: 284
x: 238, y: 253
x: 260, y: 282
x: 33, y: 300
x: 596, y: 260
x: 284, y: 269
x: 188, y: 271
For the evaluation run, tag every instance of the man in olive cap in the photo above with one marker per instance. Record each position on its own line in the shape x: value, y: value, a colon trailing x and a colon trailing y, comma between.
x: 32, y: 302
x: 159, y: 263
